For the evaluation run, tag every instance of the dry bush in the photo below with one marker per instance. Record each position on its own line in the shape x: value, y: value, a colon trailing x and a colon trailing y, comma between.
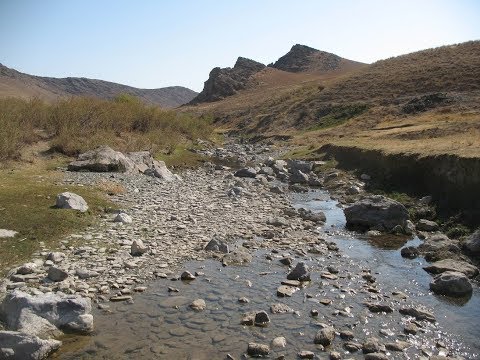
x: 78, y: 124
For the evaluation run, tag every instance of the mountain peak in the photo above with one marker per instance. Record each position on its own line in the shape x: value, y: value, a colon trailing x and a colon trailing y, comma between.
x: 302, y: 58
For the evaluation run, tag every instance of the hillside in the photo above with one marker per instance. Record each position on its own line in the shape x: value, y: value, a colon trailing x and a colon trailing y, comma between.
x: 16, y: 84
x: 301, y: 64
x: 423, y: 102
x: 303, y: 58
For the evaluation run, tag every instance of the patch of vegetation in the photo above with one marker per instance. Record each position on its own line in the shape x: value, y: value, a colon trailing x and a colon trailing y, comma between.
x: 182, y: 156
x: 457, y: 231
x: 79, y: 124
x: 27, y: 197
x: 331, y: 116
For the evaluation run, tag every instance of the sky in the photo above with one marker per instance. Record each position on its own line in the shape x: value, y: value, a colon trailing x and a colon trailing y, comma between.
x: 158, y: 43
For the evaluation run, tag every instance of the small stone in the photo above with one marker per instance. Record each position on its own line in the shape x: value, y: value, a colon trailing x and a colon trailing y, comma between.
x: 258, y: 350
x: 279, y: 342
x: 346, y: 335
x: 314, y: 312
x: 138, y: 248
x: 377, y: 307
x: 409, y: 252
x: 335, y: 355
x: 376, y: 356
x: 280, y: 309
x: 294, y: 283
x: 123, y: 218
x: 418, y: 313
x: 300, y: 273
x: 248, y: 319
x: 285, y: 291
x: 371, y: 345
x: 243, y: 300
x: 325, y: 336
x: 187, y: 275
x: 56, y: 257
x: 397, y: 346
x: 27, y: 268
x: 56, y: 274
x: 325, y: 301
x: 286, y: 261
x: 304, y: 354
x: 410, y: 329
x: 352, y: 346
x: 4, y: 233
x: 198, y: 305
x: 261, y: 318
x: 172, y: 289
x: 121, y: 298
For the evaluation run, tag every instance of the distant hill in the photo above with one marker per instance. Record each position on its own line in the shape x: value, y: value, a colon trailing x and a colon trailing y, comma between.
x: 16, y: 84
x: 247, y: 74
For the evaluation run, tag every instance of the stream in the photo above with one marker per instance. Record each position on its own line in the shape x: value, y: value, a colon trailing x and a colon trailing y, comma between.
x: 160, y: 325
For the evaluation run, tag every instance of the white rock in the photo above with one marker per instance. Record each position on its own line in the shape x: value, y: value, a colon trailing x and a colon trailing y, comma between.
x: 123, y: 218
x: 7, y: 233
x: 68, y: 200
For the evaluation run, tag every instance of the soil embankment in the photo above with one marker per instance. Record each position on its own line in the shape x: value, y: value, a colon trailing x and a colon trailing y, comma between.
x: 452, y: 181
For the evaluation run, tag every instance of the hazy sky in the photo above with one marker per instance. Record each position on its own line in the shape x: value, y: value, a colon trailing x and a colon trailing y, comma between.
x: 152, y: 44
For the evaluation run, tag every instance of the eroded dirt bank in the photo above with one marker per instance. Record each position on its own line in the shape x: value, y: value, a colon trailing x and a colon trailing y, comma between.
x: 452, y: 181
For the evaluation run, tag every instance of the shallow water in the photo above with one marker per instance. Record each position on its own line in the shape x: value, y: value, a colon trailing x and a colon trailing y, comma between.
x: 160, y: 325
x: 460, y: 317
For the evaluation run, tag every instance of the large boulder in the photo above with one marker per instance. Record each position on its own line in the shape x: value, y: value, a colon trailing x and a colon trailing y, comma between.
x: 143, y: 160
x: 40, y: 315
x: 68, y: 200
x: 20, y: 346
x: 103, y: 159
x: 444, y: 265
x: 299, y: 165
x: 377, y: 213
x: 451, y: 283
x: 473, y: 242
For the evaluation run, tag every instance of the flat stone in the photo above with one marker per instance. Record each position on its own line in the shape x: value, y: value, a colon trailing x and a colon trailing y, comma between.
x: 452, y: 265
x: 258, y: 350
x: 279, y: 308
x: 305, y: 354
x: 198, y: 305
x: 121, y: 298
x: 57, y: 274
x: 286, y: 291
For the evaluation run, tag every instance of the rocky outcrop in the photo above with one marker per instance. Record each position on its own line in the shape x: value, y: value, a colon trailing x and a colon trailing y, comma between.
x: 223, y: 82
x: 105, y: 159
x: 303, y: 58
x: 377, y: 213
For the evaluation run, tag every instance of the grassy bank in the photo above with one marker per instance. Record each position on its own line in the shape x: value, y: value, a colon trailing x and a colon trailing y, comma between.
x: 27, y: 197
x: 78, y: 124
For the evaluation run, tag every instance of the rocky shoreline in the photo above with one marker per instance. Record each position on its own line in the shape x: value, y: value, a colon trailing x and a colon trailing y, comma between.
x: 164, y: 223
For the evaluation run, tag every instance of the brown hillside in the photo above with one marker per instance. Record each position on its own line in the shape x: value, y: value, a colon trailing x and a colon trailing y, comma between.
x: 424, y: 102
x: 16, y: 84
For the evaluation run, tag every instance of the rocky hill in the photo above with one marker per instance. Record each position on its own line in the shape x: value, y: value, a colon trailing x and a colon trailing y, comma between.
x: 16, y: 84
x: 300, y: 59
x: 227, y: 81
x: 303, y: 58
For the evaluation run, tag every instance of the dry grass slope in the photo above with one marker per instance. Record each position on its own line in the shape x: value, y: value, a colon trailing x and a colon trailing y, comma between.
x: 78, y: 124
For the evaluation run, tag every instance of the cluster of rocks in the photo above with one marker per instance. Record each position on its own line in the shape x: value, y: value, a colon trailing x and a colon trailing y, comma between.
x: 105, y: 159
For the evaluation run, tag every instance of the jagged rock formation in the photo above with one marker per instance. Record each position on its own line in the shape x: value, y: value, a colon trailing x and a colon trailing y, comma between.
x: 16, y: 84
x: 303, y: 58
x: 227, y: 81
